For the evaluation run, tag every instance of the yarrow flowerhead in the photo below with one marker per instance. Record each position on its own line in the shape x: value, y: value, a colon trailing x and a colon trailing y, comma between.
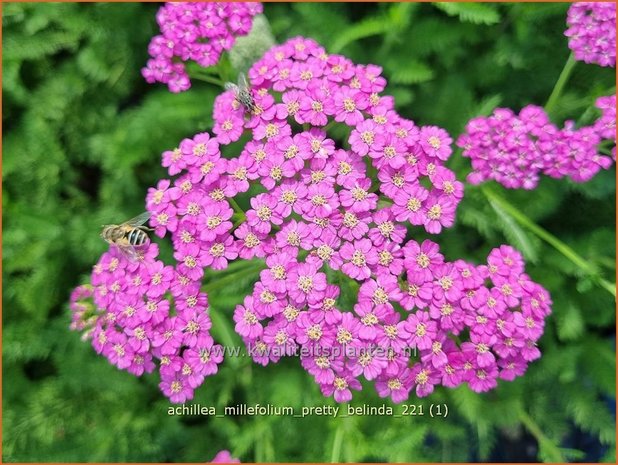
x: 592, y: 32
x: 515, y: 149
x: 317, y: 219
x: 139, y: 312
x: 197, y: 31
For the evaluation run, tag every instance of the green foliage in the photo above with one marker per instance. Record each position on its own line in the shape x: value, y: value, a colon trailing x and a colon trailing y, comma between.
x: 82, y: 143
x: 477, y: 13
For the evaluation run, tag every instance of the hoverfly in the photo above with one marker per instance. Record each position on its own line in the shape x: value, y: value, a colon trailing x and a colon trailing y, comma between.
x: 242, y: 92
x: 128, y: 236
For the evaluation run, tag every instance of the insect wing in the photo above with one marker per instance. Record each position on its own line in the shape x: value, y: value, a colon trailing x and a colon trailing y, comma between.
x: 138, y: 220
x: 231, y: 86
x: 129, y: 252
x: 242, y: 82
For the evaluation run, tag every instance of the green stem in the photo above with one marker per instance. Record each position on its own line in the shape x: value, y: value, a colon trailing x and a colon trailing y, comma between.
x: 238, y: 222
x: 209, y: 79
x: 337, y: 443
x: 237, y: 208
x: 552, y: 240
x: 560, y: 83
x: 552, y: 450
x: 330, y: 125
x: 232, y: 277
x: 221, y: 329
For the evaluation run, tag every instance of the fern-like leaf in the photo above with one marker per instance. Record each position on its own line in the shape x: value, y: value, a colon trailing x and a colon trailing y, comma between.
x: 412, y: 72
x: 477, y: 13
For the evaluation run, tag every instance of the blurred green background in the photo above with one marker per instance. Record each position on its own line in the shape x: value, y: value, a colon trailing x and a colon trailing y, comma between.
x: 82, y: 140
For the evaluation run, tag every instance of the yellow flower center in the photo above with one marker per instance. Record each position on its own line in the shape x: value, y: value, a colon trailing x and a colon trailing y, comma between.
x: 434, y: 142
x: 359, y: 193
x: 358, y: 258
x: 289, y: 197
x: 380, y: 296
x: 340, y: 383
x: 278, y: 271
x: 213, y: 221
x: 414, y: 204
x: 350, y: 220
x: 367, y: 137
x: 343, y: 336
x: 314, y: 332
x: 325, y: 252
x: 292, y: 107
x: 271, y: 130
x: 305, y: 283
x: 267, y: 297
x: 423, y: 260
x: 251, y: 241
x: 217, y: 250
x: 207, y: 167
x: 435, y: 212
x: 421, y: 330
x: 385, y: 258
x: 264, y: 213
x: 369, y: 320
x: 250, y: 318
x: 394, y: 384
x: 422, y: 377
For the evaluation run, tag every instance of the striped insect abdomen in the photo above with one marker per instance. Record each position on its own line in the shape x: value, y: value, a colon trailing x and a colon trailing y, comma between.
x: 137, y: 237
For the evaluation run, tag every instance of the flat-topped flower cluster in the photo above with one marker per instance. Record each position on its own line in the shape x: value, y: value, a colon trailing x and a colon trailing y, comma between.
x: 592, y: 32
x: 136, y: 312
x: 515, y: 150
x: 326, y: 212
x: 196, y: 31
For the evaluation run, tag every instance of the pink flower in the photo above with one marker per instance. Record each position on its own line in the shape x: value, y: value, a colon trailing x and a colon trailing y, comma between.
x: 421, y: 329
x: 358, y: 256
x: 204, y: 359
x: 263, y: 214
x: 341, y: 387
x: 358, y: 198
x: 176, y: 388
x: 224, y: 456
x: 304, y: 282
x: 247, y: 322
x: 397, y: 386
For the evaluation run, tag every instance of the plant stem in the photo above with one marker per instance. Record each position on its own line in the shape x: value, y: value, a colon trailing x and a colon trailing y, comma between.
x: 330, y: 125
x: 237, y: 208
x: 337, y: 442
x: 552, y: 240
x: 231, y: 277
x: 560, y: 83
x: 210, y: 79
x: 552, y: 450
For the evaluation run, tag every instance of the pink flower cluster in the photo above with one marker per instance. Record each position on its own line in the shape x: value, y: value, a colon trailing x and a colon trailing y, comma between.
x: 592, y: 32
x: 318, y: 219
x: 605, y: 126
x: 224, y: 456
x: 462, y: 329
x: 138, y: 311
x: 515, y: 149
x: 198, y: 31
